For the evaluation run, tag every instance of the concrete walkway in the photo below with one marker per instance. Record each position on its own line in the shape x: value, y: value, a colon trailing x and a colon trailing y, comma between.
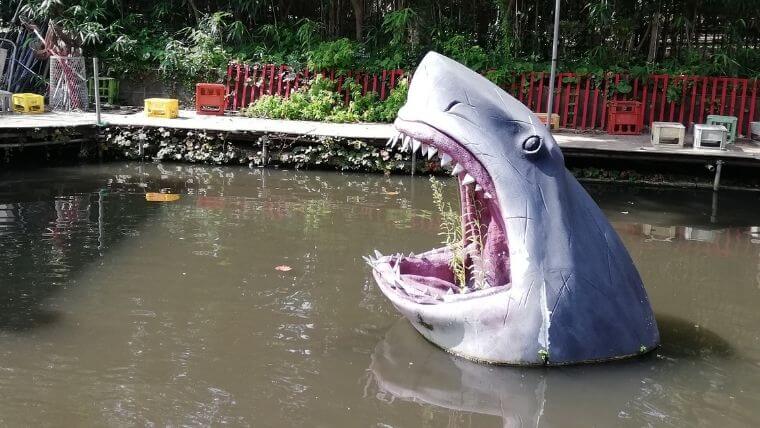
x: 191, y: 120
x: 572, y: 143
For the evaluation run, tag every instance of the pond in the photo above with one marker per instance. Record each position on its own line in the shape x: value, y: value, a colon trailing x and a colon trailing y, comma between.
x: 246, y: 302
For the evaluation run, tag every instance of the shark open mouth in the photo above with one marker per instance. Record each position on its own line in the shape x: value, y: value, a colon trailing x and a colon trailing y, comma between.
x: 535, y: 275
x: 482, y: 265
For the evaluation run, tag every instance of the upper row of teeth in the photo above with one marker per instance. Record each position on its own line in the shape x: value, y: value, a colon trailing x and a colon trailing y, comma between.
x: 410, y: 144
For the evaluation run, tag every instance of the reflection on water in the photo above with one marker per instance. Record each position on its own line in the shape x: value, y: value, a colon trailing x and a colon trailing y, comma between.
x: 120, y: 311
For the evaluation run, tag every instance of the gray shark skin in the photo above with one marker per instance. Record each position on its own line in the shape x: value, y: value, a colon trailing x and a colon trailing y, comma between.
x: 556, y: 285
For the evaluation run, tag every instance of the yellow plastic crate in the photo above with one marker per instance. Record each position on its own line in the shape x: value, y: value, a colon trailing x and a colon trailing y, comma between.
x: 167, y: 108
x: 28, y: 103
x: 555, y: 119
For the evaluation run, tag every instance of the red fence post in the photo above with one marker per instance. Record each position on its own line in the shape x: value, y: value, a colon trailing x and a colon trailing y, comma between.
x: 540, y: 93
x: 723, y: 95
x: 682, y: 106
x: 753, y: 101
x: 577, y: 100
x: 604, y: 100
x: 530, y: 91
x: 558, y: 88
x: 229, y: 83
x: 237, y: 87
x: 743, y: 106
x: 693, y: 100
x: 382, y: 85
x: 644, y: 105
x: 714, y: 82
x: 245, y: 85
x: 702, y: 107
x: 664, y: 97
x: 672, y: 103
x: 596, y: 103
x: 585, y: 102
x: 567, y: 101
x: 734, y: 84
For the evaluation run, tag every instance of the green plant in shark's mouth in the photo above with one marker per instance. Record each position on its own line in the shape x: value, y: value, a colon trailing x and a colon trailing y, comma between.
x: 474, y: 246
x: 453, y: 232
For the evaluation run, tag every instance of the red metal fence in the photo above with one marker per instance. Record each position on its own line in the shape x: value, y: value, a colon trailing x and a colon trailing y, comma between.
x: 580, y: 101
x: 247, y: 83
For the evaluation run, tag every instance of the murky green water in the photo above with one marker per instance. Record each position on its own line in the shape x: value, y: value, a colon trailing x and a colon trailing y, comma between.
x: 117, y: 311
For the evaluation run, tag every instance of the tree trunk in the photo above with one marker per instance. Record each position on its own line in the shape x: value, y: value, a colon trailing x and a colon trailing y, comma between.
x: 654, y: 37
x: 284, y: 9
x: 196, y: 13
x: 358, y: 6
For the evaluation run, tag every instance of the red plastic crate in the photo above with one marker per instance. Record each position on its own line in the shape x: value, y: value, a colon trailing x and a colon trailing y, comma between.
x: 210, y: 98
x: 625, y: 118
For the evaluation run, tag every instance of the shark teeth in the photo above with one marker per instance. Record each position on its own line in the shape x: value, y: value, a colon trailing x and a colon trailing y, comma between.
x: 411, y: 144
x: 406, y: 144
x: 393, y: 140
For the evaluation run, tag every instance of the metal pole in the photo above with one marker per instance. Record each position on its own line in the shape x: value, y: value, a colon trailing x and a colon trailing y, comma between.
x: 95, y: 77
x: 553, y: 72
x: 714, y: 213
x: 718, y: 168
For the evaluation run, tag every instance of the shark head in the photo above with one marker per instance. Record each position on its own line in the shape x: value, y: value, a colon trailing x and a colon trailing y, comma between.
x: 542, y: 277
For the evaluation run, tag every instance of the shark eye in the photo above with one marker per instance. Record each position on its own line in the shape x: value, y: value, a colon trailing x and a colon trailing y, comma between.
x: 532, y: 145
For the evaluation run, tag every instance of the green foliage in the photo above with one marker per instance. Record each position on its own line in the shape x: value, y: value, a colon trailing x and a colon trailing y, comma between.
x: 451, y: 232
x: 341, y: 54
x: 188, y: 41
x: 458, y: 47
x: 200, y: 55
x: 321, y: 101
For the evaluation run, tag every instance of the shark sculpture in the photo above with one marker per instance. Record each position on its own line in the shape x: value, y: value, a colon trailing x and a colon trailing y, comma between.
x: 546, y: 279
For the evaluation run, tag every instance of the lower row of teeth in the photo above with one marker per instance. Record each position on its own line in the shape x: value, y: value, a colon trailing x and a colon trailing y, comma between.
x: 408, y: 143
x: 397, y: 281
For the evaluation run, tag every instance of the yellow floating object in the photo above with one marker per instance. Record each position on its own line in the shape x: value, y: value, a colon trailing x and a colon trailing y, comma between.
x: 167, y: 108
x: 28, y: 103
x: 161, y: 197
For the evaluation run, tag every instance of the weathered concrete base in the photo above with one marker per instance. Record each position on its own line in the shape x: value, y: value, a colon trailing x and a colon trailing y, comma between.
x: 576, y: 144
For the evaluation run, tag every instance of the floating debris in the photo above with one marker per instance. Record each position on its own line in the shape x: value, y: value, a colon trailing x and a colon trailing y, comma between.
x: 161, y: 197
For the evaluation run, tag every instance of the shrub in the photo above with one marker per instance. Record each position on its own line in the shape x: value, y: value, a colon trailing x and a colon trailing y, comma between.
x: 321, y: 101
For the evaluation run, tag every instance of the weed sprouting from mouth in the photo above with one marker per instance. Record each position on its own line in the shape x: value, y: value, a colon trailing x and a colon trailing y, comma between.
x: 463, y: 236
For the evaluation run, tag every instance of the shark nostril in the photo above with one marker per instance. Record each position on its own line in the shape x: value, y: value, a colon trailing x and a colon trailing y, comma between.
x: 532, y: 144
